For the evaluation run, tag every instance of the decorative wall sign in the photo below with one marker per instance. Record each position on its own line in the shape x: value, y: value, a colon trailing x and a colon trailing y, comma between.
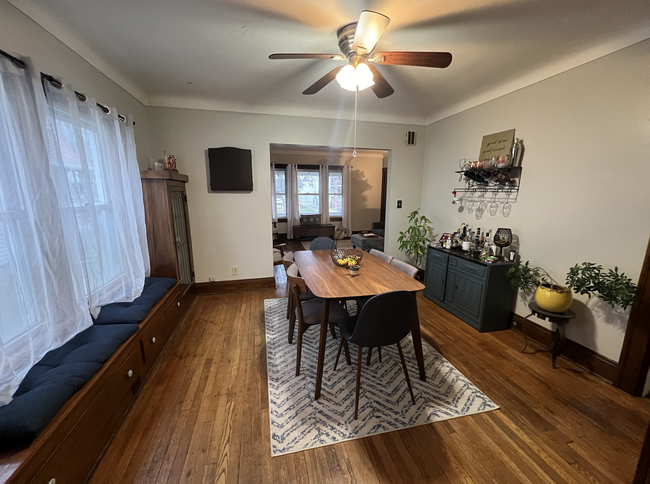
x: 496, y: 144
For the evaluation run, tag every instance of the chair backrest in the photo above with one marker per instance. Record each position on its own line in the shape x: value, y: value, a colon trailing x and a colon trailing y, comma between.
x: 287, y: 259
x: 293, y: 279
x: 404, y: 267
x: 384, y: 320
x: 322, y: 243
x: 382, y: 255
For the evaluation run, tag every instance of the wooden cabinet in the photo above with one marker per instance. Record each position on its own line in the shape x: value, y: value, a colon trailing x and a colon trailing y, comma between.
x: 168, y: 226
x: 478, y: 293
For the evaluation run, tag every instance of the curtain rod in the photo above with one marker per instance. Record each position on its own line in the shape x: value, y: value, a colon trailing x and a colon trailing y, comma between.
x: 58, y: 84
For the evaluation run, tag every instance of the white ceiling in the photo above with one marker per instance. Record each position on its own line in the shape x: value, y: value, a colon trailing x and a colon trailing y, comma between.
x: 155, y: 48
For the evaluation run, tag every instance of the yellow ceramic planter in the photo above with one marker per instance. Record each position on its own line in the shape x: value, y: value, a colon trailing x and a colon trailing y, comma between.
x: 556, y: 299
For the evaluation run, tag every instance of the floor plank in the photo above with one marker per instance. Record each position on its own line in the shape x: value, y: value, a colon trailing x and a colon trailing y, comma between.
x: 202, y: 417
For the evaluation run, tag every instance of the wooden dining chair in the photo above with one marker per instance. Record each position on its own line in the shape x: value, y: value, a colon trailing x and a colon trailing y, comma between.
x: 404, y: 267
x: 308, y: 313
x: 306, y: 295
x: 382, y: 255
x: 384, y: 320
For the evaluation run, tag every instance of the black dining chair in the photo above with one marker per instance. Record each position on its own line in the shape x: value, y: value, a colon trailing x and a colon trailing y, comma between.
x: 308, y: 312
x: 322, y: 243
x: 384, y: 320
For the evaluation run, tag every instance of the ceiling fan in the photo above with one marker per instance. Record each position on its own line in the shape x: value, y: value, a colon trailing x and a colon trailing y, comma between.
x: 357, y: 41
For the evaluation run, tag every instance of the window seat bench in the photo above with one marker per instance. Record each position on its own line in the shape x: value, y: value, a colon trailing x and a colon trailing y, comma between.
x: 314, y: 230
x: 71, y: 403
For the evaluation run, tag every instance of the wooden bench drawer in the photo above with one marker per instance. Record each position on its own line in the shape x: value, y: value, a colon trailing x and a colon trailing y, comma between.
x: 77, y: 453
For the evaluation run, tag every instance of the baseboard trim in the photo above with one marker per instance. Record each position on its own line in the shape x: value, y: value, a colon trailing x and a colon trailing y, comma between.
x: 222, y: 287
x: 581, y: 355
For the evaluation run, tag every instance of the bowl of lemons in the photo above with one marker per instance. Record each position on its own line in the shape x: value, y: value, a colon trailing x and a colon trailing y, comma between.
x: 347, y: 257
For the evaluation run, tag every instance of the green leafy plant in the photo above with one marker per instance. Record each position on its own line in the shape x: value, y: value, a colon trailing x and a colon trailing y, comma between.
x: 524, y: 276
x: 414, y: 241
x: 611, y: 287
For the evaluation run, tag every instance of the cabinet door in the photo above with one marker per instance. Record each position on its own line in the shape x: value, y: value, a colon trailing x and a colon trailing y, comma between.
x: 181, y: 237
x: 435, y: 280
x: 464, y: 293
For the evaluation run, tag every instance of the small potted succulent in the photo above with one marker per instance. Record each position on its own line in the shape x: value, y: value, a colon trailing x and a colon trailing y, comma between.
x: 549, y: 295
x: 611, y: 287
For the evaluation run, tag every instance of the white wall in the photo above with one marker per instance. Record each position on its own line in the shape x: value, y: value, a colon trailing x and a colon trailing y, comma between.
x: 235, y: 229
x: 585, y: 192
x: 21, y: 36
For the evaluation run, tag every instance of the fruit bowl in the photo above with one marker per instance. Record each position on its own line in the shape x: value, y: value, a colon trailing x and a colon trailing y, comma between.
x: 346, y: 257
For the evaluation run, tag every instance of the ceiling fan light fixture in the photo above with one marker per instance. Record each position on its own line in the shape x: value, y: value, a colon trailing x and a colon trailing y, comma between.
x: 364, y: 77
x: 347, y: 78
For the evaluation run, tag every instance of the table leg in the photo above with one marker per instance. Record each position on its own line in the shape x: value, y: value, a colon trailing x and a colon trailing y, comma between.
x: 558, y: 341
x: 321, y: 346
x: 417, y: 338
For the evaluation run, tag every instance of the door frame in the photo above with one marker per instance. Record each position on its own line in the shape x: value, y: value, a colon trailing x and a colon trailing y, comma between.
x: 634, y: 362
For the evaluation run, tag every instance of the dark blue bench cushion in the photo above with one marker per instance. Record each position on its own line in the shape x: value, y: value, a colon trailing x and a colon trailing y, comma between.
x: 134, y: 312
x: 52, y: 381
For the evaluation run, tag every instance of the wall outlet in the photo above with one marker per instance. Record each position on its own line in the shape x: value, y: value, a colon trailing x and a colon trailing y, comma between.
x: 212, y: 279
x: 235, y: 270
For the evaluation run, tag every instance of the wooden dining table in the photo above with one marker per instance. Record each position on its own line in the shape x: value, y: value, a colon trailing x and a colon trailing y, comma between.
x: 332, y: 283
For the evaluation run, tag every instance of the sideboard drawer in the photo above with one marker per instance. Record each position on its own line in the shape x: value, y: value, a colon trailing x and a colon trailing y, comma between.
x: 438, y: 257
x: 471, y: 268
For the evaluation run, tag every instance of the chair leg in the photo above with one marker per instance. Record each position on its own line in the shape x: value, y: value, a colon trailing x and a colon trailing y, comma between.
x: 338, y: 354
x: 289, y: 304
x: 347, y: 351
x: 406, y: 372
x: 379, y: 351
x: 292, y: 323
x: 356, y: 402
x: 369, y: 355
x: 300, y: 332
x: 333, y: 330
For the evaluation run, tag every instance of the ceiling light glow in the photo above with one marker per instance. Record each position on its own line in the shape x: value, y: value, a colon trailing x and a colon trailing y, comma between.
x: 350, y: 78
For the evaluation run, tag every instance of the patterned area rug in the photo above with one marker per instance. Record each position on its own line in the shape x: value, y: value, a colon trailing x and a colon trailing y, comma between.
x: 298, y: 422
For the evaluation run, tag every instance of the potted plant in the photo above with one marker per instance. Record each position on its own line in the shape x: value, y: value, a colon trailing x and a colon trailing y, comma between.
x: 414, y: 241
x: 611, y: 287
x: 549, y: 295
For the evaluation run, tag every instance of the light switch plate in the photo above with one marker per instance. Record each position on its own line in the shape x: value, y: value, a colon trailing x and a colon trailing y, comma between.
x: 399, y: 204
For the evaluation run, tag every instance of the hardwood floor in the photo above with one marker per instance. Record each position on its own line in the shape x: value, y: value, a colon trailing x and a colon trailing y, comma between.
x: 203, y: 415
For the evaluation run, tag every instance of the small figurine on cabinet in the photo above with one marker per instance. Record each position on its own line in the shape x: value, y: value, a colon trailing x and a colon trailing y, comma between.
x: 170, y: 162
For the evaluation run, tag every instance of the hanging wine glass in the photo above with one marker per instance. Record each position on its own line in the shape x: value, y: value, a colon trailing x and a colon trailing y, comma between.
x: 494, y: 206
x: 470, y: 207
x: 507, y: 207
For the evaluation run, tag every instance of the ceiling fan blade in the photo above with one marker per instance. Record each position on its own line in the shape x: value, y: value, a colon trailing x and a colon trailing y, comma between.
x: 323, y: 81
x: 370, y: 27
x: 381, y: 88
x: 307, y: 56
x: 421, y: 59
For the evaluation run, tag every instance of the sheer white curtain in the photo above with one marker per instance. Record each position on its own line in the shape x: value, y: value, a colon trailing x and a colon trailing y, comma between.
x: 293, y: 206
x: 42, y: 298
x: 346, y: 209
x: 95, y: 172
x: 324, y: 192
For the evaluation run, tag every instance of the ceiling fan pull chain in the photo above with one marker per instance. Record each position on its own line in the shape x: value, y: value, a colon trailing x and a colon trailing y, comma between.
x: 356, y: 101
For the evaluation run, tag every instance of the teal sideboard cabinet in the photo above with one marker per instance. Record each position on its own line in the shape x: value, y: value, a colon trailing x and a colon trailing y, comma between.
x: 478, y: 293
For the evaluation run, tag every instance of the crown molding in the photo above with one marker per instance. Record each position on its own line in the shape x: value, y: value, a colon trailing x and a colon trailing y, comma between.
x: 544, y: 73
x: 211, y: 104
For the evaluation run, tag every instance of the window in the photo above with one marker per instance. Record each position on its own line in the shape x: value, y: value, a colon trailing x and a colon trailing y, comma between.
x: 91, y: 198
x: 308, y: 192
x: 281, y: 193
x: 335, y: 189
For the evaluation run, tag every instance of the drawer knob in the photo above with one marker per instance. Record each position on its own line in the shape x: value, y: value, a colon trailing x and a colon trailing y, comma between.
x: 153, y: 340
x: 52, y: 481
x: 130, y: 373
x: 178, y: 304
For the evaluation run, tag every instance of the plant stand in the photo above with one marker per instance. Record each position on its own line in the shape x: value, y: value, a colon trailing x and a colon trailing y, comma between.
x: 558, y: 340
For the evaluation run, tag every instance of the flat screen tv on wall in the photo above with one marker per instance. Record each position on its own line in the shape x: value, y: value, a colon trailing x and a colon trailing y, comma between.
x: 231, y: 170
